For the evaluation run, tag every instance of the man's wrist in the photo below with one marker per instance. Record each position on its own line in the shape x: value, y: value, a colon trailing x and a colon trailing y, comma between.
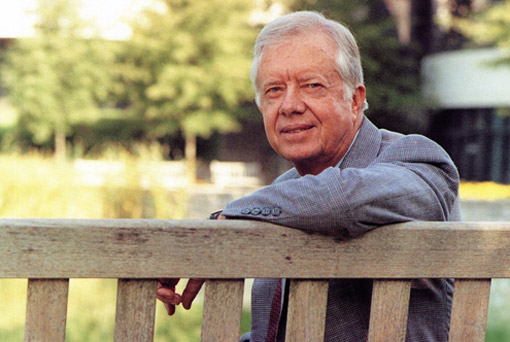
x: 215, y: 215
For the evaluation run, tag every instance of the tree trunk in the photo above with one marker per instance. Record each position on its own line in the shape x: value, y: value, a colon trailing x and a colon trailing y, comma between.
x: 190, y: 154
x: 60, y: 146
x: 400, y: 10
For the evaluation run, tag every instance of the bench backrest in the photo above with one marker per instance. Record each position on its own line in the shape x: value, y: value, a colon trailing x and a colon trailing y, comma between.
x: 49, y: 252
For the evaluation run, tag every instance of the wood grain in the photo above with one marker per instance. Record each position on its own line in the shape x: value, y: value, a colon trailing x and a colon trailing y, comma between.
x: 389, y: 310
x: 196, y: 248
x: 306, y: 318
x: 46, y: 310
x: 135, y: 310
x: 469, y: 311
x: 223, y: 305
x: 49, y: 251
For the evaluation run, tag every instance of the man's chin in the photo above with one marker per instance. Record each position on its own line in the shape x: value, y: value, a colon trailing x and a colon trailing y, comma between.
x: 305, y: 164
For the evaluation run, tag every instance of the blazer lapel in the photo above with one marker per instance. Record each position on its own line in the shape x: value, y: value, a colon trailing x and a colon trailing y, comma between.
x: 365, y: 148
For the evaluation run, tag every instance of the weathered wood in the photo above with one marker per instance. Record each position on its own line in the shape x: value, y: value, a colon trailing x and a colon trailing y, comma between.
x: 306, y: 318
x: 135, y: 311
x: 469, y: 311
x: 223, y: 306
x: 389, y: 310
x: 46, y: 310
x: 59, y: 249
x: 196, y: 248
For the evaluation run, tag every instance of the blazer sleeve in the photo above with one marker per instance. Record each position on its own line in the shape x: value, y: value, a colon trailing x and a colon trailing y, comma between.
x: 411, y: 179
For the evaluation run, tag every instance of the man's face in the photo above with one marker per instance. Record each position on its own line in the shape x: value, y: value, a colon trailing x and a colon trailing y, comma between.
x: 306, y: 118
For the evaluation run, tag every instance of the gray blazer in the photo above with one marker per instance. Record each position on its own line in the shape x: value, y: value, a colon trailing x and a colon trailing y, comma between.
x: 384, y: 178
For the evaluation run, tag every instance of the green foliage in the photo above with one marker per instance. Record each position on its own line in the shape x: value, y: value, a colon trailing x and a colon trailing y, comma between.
x: 54, y: 82
x: 57, y: 78
x: 184, y: 72
x: 187, y: 63
x: 489, y: 27
x: 392, y: 71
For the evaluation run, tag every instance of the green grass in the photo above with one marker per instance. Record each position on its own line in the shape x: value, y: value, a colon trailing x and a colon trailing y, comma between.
x: 37, y: 186
x: 12, y: 308
x: 91, y: 313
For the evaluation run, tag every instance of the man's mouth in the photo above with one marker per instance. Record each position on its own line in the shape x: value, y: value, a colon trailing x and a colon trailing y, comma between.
x: 296, y: 129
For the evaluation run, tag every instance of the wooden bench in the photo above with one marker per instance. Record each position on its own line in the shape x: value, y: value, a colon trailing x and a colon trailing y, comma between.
x: 48, y: 252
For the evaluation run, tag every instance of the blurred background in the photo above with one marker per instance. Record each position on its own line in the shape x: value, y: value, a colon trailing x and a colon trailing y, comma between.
x: 143, y: 109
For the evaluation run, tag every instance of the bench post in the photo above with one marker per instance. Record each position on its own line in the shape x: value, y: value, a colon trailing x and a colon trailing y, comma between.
x: 306, y: 318
x: 135, y: 311
x: 223, y: 306
x: 46, y: 310
x: 469, y: 310
x: 389, y: 310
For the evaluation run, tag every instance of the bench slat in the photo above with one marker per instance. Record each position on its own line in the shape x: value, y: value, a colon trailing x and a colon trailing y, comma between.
x: 135, y: 310
x: 306, y: 320
x: 144, y: 248
x: 470, y: 309
x: 389, y: 310
x: 46, y: 310
x: 223, y: 304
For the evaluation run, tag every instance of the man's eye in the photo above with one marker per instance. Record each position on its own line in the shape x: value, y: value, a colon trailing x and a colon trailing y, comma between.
x: 314, y: 85
x: 273, y: 89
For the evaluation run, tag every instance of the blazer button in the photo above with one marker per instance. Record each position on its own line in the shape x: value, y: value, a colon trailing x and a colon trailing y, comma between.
x: 276, y: 211
x: 245, y: 211
x: 266, y: 211
x: 256, y: 211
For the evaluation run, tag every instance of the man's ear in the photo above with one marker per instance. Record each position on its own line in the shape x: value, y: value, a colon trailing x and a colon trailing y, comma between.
x: 358, y: 100
x: 257, y: 104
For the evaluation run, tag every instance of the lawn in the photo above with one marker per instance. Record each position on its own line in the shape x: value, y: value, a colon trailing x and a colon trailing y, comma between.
x: 36, y: 186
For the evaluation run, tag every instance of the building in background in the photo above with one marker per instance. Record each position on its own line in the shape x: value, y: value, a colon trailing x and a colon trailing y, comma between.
x: 469, y: 95
x: 466, y: 89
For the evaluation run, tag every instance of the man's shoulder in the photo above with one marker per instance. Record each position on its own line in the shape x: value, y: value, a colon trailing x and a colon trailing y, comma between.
x: 396, y: 145
x: 287, y: 175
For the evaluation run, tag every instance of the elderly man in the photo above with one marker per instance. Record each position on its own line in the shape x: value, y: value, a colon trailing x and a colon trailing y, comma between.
x: 349, y: 176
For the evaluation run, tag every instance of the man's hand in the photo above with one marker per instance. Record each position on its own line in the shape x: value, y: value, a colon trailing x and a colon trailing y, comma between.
x: 166, y: 289
x: 166, y: 293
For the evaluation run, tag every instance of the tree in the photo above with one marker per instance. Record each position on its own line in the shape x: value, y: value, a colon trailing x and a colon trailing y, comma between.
x: 490, y: 27
x: 391, y: 69
x: 186, y: 67
x: 59, y: 77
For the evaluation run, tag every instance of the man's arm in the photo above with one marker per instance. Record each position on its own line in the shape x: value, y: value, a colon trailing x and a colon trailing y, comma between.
x: 412, y: 179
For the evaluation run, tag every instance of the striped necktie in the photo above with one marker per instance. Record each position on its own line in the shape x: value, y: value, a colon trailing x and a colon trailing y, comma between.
x: 274, y: 316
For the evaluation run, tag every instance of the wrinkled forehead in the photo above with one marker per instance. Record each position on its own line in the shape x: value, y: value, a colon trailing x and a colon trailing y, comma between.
x: 308, y: 50
x: 296, y: 36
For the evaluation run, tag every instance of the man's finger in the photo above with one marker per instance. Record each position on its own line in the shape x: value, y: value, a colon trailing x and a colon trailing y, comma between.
x: 190, y: 292
x: 170, y: 309
x: 169, y: 296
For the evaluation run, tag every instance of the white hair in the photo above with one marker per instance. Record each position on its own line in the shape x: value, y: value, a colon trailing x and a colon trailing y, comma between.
x: 348, y: 62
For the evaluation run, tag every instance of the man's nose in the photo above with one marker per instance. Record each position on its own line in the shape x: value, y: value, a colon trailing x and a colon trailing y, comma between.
x: 292, y: 102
